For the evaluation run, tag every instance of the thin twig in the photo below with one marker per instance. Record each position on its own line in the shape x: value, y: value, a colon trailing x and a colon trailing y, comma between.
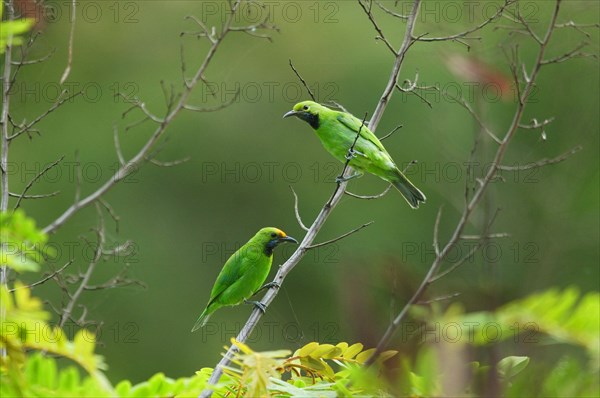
x: 388, y: 135
x: 319, y: 221
x: 171, y: 163
x: 441, y: 298
x: 369, y: 197
x: 542, y: 162
x: 463, y: 35
x: 436, y: 227
x: 59, y: 102
x: 118, y: 145
x: 462, y: 102
x: 34, y: 179
x: 45, y: 279
x: 390, y: 12
x: 68, y: 309
x: 67, y: 71
x: 136, y: 161
x: 312, y: 95
x: 328, y: 242
x: 389, y: 89
x: 371, y: 17
x: 41, y: 196
x: 297, y: 212
x: 432, y: 274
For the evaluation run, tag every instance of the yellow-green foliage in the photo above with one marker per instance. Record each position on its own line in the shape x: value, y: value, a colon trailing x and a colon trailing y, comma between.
x: 24, y: 328
x: 23, y: 245
x: 559, y: 316
x: 310, y: 369
x: 10, y: 31
x: 314, y: 370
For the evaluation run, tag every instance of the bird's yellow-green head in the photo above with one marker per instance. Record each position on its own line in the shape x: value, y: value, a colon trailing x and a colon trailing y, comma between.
x: 309, y: 111
x: 271, y: 237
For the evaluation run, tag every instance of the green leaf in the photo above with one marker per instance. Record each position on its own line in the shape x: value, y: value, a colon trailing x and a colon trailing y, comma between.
x: 363, y: 356
x: 352, y: 351
x: 511, y: 366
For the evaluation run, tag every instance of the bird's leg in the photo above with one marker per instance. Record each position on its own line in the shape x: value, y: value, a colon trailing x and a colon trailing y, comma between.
x: 257, y: 304
x: 352, y: 154
x: 267, y: 286
x: 341, y: 179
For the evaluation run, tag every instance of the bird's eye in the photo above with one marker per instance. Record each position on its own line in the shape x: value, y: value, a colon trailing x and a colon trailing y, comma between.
x: 305, y: 107
x: 273, y: 235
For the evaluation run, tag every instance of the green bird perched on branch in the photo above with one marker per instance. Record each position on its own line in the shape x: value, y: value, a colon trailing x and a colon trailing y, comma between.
x: 338, y: 131
x: 244, y: 273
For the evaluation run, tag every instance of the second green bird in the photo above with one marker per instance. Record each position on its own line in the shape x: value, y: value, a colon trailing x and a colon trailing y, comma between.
x: 244, y: 272
x: 337, y: 132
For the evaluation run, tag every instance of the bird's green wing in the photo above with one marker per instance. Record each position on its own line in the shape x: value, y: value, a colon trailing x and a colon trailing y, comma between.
x: 232, y: 271
x: 354, y: 124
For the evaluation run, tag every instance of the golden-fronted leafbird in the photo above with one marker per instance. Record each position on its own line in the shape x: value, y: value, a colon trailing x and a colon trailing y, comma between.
x: 244, y: 272
x: 337, y: 132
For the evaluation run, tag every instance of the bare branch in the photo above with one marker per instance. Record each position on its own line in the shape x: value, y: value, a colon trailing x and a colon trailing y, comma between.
x: 41, y: 196
x: 312, y: 95
x: 390, y: 12
x: 575, y: 53
x: 462, y: 102
x: 67, y: 71
x: 437, y: 299
x: 328, y: 242
x: 171, y: 163
x: 371, y: 17
x: 138, y: 104
x: 388, y: 135
x: 369, y: 197
x: 412, y: 87
x: 68, y: 309
x: 34, y: 179
x: 10, y: 15
x: 26, y: 127
x: 464, y: 35
x: 142, y: 154
x: 433, y: 272
x: 297, y: 212
x: 321, y: 218
x: 488, y: 236
x: 213, y: 108
x: 536, y: 125
x: 518, y: 18
x: 46, y: 57
x: 542, y: 162
x: 389, y: 89
x: 210, y: 34
x: 436, y: 227
x: 115, y: 217
x: 45, y: 279
x: 578, y: 27
x: 118, y: 145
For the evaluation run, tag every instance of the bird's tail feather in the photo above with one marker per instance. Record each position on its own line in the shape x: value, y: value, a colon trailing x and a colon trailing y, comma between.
x: 201, y: 320
x: 411, y: 193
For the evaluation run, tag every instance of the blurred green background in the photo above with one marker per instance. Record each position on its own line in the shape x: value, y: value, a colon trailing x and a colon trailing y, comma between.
x: 186, y: 220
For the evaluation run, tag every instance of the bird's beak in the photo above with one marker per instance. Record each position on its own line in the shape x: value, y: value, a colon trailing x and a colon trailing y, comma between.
x: 288, y: 239
x: 291, y: 113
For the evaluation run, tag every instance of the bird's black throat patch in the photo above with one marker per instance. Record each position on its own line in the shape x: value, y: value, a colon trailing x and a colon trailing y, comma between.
x: 311, y: 119
x: 270, y: 246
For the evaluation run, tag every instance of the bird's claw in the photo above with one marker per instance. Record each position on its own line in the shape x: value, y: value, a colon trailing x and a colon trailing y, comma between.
x: 270, y: 285
x: 352, y: 153
x: 340, y: 179
x: 257, y: 304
